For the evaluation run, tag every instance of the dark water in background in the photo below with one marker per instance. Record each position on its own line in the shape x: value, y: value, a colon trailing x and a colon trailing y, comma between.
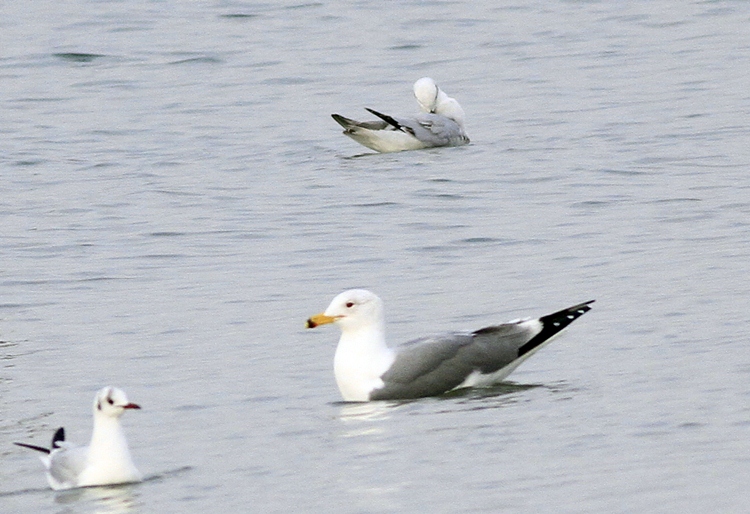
x: 175, y: 201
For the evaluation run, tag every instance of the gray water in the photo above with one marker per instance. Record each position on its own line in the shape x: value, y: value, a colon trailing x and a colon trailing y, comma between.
x: 175, y: 201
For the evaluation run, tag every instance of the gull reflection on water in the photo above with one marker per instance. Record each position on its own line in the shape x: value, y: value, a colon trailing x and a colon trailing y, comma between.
x: 114, y: 499
x: 364, y: 411
x: 359, y: 416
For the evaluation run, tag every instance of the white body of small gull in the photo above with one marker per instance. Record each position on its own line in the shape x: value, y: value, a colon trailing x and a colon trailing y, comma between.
x: 441, y: 123
x: 366, y: 368
x: 105, y: 461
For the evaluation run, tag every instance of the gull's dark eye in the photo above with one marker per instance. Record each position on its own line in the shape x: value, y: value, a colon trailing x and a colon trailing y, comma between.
x: 110, y: 401
x: 350, y: 304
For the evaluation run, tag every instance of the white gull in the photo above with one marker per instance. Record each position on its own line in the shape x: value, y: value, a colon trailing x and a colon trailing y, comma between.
x: 366, y: 368
x: 105, y: 461
x: 441, y: 123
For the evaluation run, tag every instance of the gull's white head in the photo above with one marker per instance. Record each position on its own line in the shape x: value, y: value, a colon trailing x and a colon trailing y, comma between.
x: 112, y: 402
x: 352, y: 309
x: 433, y: 100
x: 427, y: 92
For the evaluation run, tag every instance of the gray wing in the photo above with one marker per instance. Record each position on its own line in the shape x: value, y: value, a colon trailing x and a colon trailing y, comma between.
x: 431, y: 129
x: 428, y: 367
x: 67, y: 463
x: 442, y: 131
x: 352, y: 125
x: 432, y: 366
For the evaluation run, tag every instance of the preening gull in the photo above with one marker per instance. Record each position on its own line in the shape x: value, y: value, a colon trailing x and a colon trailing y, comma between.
x: 432, y: 99
x: 441, y: 123
x: 367, y: 369
x: 105, y: 461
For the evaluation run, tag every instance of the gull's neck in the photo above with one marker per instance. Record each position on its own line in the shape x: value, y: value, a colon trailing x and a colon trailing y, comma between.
x: 108, y: 454
x: 107, y: 430
x: 450, y: 108
x: 362, y: 356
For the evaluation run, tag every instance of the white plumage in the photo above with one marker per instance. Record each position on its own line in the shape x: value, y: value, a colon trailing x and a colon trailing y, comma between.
x: 441, y: 123
x: 366, y: 368
x: 105, y: 461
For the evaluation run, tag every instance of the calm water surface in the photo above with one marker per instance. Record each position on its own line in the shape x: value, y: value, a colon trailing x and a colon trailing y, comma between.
x: 175, y: 201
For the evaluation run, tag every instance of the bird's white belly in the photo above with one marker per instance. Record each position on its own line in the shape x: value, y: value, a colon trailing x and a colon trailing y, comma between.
x: 358, y: 372
x: 479, y: 379
x: 387, y: 140
x: 356, y: 388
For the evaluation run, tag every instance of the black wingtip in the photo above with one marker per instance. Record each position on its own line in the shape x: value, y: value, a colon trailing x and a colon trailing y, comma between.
x: 58, y: 438
x: 554, y: 323
x: 561, y: 319
x: 581, y: 306
x: 343, y: 121
x: 385, y: 118
x: 33, y: 447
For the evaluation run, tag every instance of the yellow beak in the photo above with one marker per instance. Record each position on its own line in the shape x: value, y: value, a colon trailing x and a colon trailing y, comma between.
x: 319, y: 319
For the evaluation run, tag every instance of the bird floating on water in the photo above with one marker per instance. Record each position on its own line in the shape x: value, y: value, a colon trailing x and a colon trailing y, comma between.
x: 441, y: 123
x: 366, y: 368
x: 105, y: 461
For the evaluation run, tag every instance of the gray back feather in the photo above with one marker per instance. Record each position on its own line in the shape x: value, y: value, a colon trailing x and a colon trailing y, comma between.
x: 67, y: 463
x: 425, y: 367
x: 434, y: 130
x: 432, y: 366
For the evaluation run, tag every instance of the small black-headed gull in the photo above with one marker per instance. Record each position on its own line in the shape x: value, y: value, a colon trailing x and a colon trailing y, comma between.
x: 105, y: 461
x: 367, y: 369
x: 441, y: 123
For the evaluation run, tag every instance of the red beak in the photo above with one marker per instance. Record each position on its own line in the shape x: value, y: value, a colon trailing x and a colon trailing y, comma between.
x: 131, y: 406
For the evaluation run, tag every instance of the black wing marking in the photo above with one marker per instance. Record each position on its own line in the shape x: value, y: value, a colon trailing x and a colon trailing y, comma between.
x: 391, y: 121
x: 554, y: 323
x: 351, y: 125
x: 56, y: 439
x: 33, y: 447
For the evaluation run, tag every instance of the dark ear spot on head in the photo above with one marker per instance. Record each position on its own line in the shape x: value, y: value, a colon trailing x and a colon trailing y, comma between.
x: 98, y: 405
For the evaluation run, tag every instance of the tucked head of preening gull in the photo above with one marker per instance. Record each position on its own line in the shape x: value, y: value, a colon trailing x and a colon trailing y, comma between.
x: 105, y: 461
x: 434, y: 100
x: 367, y: 369
x: 440, y: 124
